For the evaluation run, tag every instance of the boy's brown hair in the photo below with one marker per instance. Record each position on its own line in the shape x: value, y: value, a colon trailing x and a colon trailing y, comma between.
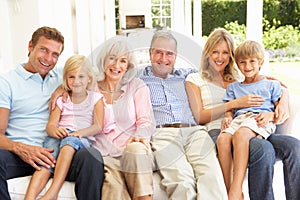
x: 249, y: 49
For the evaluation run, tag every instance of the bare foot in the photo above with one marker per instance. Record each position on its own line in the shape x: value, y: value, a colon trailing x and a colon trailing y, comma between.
x: 235, y: 194
x: 49, y: 197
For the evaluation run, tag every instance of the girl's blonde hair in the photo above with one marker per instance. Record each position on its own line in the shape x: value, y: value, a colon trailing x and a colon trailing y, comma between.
x: 217, y: 36
x: 116, y: 46
x: 74, y: 63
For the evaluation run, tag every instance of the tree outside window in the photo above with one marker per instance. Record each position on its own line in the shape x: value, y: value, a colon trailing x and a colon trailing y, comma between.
x: 161, y: 13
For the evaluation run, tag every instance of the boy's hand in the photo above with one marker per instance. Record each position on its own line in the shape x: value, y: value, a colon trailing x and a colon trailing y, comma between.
x: 264, y: 118
x: 226, y: 122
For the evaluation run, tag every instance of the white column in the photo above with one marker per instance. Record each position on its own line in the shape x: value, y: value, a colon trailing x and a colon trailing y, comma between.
x: 197, y: 23
x: 188, y: 17
x: 254, y: 28
x: 177, y: 13
x: 109, y: 19
x: 6, y: 58
x: 254, y: 20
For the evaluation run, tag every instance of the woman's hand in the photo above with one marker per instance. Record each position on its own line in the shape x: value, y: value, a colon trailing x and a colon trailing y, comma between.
x: 139, y: 139
x: 250, y: 100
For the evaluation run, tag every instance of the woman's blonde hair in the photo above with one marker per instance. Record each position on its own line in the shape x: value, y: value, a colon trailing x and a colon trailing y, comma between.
x: 116, y: 46
x: 217, y: 36
x: 74, y: 63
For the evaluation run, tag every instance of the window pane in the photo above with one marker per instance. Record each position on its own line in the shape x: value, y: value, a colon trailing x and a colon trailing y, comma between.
x: 155, y: 11
x: 166, y: 11
x: 155, y: 1
x: 166, y: 1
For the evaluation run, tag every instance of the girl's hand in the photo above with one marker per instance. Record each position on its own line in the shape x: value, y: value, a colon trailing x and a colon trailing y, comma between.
x: 75, y: 134
x: 225, y: 123
x: 264, y: 118
x: 61, y: 132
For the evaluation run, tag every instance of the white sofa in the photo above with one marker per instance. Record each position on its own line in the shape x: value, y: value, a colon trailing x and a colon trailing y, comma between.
x: 17, y: 186
x: 140, y: 40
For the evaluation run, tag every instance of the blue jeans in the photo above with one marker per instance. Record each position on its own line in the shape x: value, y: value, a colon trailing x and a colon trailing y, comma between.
x: 57, y: 144
x: 263, y: 154
x: 86, y: 170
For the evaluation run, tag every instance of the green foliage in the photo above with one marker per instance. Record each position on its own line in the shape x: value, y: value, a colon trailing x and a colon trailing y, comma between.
x: 283, y: 41
x: 216, y: 12
x: 238, y: 31
x: 281, y: 29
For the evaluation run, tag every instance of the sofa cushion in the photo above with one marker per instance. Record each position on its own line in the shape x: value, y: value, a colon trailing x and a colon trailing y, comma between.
x: 17, y: 188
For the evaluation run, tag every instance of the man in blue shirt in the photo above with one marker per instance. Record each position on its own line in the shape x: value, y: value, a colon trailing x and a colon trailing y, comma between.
x: 24, y: 96
x: 184, y: 152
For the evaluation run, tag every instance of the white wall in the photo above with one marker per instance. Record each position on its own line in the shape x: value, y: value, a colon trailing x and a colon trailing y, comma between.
x: 20, y: 18
x: 6, y: 61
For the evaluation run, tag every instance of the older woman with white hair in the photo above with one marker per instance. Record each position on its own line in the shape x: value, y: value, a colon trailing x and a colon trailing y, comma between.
x: 128, y: 124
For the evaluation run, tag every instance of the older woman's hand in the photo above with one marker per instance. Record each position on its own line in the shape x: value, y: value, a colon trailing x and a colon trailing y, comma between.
x: 55, y: 95
x: 139, y: 139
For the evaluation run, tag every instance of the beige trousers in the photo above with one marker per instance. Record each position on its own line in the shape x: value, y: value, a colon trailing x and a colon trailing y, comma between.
x: 187, y: 161
x: 130, y: 175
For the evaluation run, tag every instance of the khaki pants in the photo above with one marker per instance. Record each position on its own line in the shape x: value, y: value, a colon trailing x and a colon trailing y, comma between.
x: 187, y: 161
x: 130, y: 175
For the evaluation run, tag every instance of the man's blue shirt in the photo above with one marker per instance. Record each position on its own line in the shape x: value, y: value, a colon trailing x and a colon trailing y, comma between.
x: 26, y: 95
x: 168, y: 96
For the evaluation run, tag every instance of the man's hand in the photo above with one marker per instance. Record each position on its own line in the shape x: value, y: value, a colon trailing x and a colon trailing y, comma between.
x: 34, y: 155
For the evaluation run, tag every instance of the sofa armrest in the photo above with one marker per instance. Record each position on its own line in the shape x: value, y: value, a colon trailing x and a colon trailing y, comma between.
x: 292, y: 125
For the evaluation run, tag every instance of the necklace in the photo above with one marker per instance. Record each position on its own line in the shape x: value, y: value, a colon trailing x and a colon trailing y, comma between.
x: 109, y: 91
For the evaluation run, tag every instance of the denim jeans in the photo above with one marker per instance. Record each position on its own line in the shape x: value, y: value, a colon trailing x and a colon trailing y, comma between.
x: 263, y: 154
x: 86, y: 170
x: 57, y: 144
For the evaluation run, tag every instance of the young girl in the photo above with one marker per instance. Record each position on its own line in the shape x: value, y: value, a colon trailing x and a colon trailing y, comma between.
x: 71, y: 126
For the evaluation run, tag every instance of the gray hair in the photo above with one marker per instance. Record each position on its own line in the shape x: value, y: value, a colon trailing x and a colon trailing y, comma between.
x: 117, y: 46
x: 163, y: 34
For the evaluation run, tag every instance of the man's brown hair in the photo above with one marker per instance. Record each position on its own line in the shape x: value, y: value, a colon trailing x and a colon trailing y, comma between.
x: 49, y: 33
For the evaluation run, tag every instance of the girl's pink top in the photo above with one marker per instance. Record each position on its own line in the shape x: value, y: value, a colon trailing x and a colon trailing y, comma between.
x: 78, y: 116
x: 130, y: 115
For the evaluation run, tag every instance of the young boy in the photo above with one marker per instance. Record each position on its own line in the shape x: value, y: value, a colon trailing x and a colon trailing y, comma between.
x: 240, y: 125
